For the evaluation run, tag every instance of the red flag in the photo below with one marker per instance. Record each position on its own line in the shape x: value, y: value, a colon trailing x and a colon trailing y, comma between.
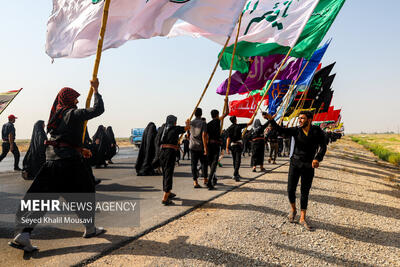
x: 244, y: 108
x: 331, y: 115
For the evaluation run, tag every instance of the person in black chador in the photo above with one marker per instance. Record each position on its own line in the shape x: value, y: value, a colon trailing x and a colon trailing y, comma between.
x: 36, y: 154
x: 147, y: 152
x: 167, y: 139
x: 112, y: 150
x: 235, y: 143
x: 8, y: 136
x: 258, y: 145
x: 214, y: 145
x: 63, y: 172
x: 309, y: 151
x: 101, y: 145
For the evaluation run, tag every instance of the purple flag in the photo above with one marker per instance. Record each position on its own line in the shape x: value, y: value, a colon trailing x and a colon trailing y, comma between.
x: 262, y: 69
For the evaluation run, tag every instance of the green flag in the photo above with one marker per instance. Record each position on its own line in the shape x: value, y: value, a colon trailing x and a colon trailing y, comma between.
x: 96, y: 1
x: 313, y: 33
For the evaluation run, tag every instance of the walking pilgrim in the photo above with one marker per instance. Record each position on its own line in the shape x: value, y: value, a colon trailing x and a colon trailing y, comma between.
x: 214, y: 145
x: 36, y: 154
x: 147, y: 152
x: 258, y: 145
x: 112, y: 149
x: 309, y: 151
x: 167, y: 140
x: 8, y: 136
x: 198, y: 147
x: 234, y: 144
x: 64, y: 171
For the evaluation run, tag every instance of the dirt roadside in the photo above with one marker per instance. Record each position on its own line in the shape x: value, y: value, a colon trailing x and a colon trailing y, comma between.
x: 354, y: 204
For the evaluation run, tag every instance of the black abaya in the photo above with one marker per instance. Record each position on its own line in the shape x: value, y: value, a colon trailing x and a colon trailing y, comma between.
x: 36, y: 154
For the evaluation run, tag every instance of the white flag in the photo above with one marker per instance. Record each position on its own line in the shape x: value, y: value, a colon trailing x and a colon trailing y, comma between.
x: 73, y: 28
x: 267, y: 25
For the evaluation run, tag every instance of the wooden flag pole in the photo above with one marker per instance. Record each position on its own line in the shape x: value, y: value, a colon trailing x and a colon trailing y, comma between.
x: 208, y: 83
x: 98, y: 57
x: 231, y: 68
x: 211, y: 77
x: 269, y: 86
x: 12, y: 99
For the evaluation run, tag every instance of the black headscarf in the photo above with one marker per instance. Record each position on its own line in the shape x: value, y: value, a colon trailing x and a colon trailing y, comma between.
x: 111, y: 135
x: 170, y: 122
x: 36, y: 154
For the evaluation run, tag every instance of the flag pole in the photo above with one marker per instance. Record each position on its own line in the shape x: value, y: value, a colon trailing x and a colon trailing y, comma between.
x: 12, y: 99
x: 211, y: 77
x: 230, y: 69
x: 98, y: 57
x: 298, y: 78
x: 269, y: 86
x: 208, y: 83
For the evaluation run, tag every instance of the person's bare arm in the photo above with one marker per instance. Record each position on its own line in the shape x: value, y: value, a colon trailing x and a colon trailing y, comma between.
x: 11, y: 140
x: 205, y: 142
x: 228, y: 142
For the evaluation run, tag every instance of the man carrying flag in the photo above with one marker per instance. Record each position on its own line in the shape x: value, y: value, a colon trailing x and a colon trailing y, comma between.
x: 309, y: 151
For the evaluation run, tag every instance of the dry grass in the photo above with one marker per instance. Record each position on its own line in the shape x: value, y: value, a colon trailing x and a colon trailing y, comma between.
x: 385, y: 146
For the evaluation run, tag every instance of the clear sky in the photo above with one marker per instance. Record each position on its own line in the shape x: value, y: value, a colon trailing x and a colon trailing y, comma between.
x: 146, y: 80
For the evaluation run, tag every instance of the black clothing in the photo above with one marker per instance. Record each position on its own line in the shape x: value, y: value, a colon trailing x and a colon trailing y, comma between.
x: 237, y: 158
x: 112, y: 150
x: 64, y: 170
x: 214, y: 129
x: 36, y: 154
x: 167, y: 161
x: 258, y: 145
x: 307, y: 175
x: 213, y: 156
x: 70, y: 130
x: 101, y: 146
x: 247, y: 142
x: 305, y: 146
x: 166, y: 157
x: 185, y: 148
x: 235, y: 131
x: 214, y: 147
x: 147, y: 151
x: 6, y: 149
x: 60, y: 177
x: 306, y: 149
x: 8, y: 128
x: 195, y: 156
x: 235, y: 135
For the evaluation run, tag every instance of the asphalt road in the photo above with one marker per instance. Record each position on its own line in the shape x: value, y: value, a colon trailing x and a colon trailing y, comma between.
x: 62, y: 245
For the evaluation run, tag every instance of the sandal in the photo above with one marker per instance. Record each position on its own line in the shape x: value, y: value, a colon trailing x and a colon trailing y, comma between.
x: 171, y: 195
x: 292, y: 216
x: 167, y: 202
x: 307, y: 226
x: 97, y: 231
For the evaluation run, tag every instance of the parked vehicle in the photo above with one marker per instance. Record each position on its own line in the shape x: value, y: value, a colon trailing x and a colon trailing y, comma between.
x: 136, y: 136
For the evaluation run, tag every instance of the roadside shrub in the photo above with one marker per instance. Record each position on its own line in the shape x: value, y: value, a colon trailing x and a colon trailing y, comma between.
x: 380, y: 151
